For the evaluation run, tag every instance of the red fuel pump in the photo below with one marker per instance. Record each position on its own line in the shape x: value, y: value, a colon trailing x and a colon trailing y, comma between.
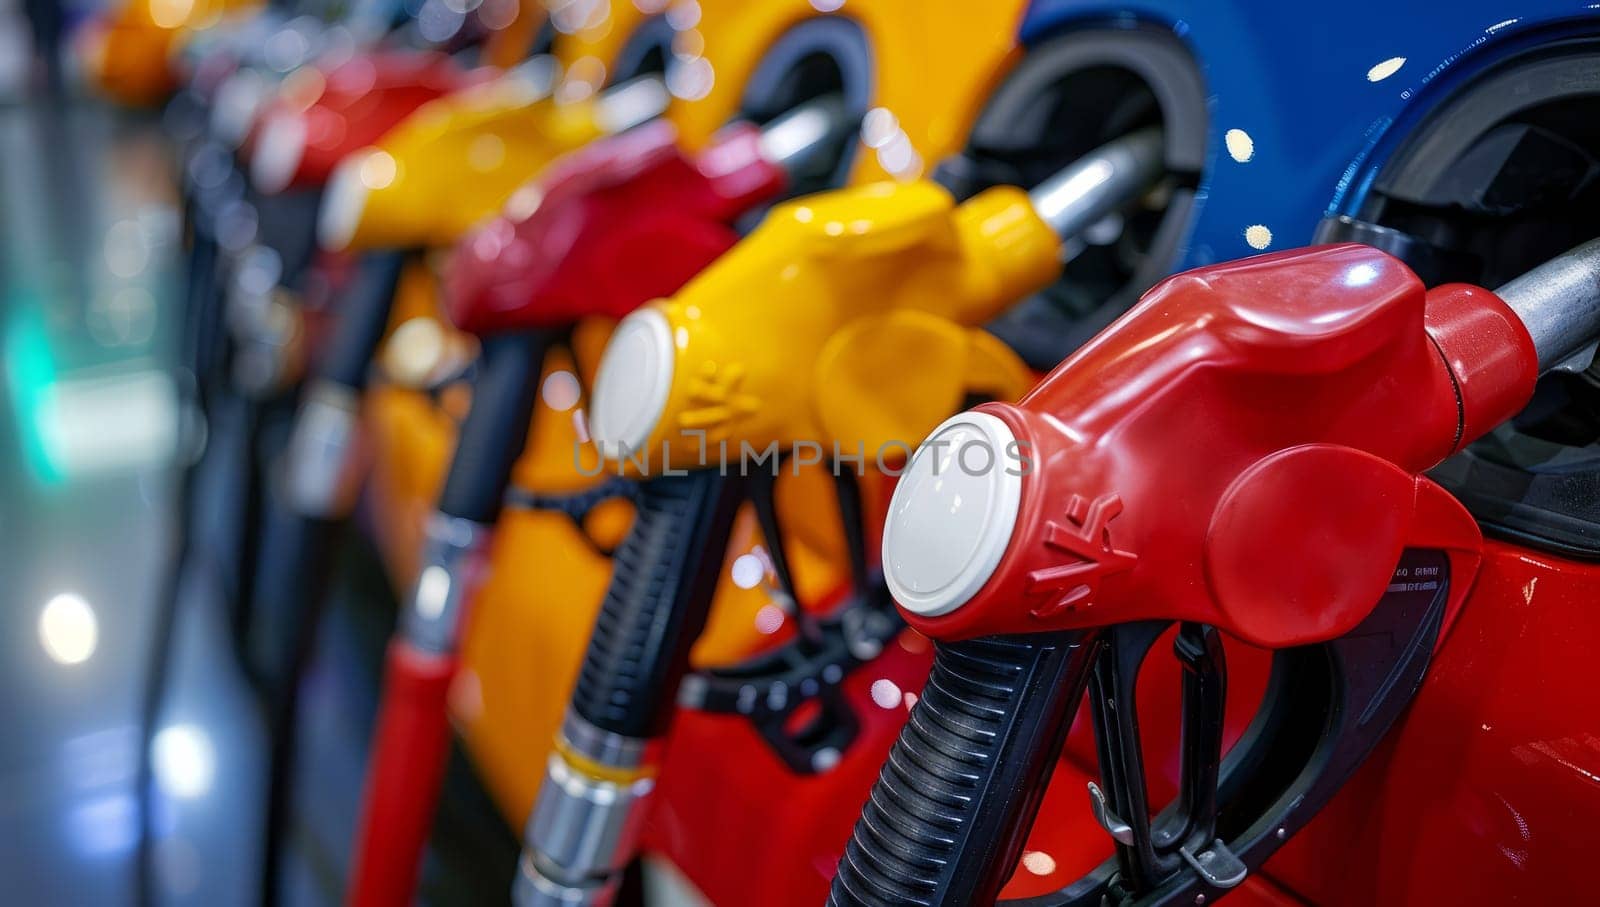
x: 321, y: 117
x: 1240, y: 452
x: 623, y: 221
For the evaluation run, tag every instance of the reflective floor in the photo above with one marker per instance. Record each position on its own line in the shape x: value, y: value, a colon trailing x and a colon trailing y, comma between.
x: 93, y: 429
x: 88, y: 254
x: 93, y: 434
x: 90, y: 257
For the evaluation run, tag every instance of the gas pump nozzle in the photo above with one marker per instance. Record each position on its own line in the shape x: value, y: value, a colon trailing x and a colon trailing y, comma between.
x: 865, y: 251
x: 1244, y: 449
x: 867, y: 332
x: 629, y: 219
x: 485, y: 110
x: 315, y: 121
x: 456, y: 160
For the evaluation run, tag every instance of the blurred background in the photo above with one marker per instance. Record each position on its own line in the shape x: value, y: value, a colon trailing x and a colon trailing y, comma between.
x: 91, y: 440
x: 93, y: 436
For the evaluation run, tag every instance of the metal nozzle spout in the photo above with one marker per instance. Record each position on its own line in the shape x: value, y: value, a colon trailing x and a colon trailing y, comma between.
x: 809, y: 137
x: 630, y: 103
x: 1100, y: 182
x: 1559, y: 304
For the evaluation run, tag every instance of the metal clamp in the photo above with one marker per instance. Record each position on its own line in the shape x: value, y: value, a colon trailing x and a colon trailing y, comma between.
x: 585, y: 826
x: 453, y: 557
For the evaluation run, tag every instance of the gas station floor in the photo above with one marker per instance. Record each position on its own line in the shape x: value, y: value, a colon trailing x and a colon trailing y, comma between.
x: 92, y: 431
x: 89, y: 252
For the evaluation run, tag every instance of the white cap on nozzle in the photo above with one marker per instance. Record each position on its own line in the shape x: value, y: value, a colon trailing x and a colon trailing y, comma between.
x: 631, y: 386
x: 952, y: 515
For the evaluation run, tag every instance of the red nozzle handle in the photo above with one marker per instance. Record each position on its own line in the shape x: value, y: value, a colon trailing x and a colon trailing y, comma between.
x: 619, y: 223
x: 1244, y: 449
x: 404, y: 773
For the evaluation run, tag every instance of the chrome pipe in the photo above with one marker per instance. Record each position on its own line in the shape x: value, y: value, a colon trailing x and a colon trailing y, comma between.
x: 1100, y: 182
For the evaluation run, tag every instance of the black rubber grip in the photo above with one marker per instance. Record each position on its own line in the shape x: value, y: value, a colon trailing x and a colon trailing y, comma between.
x: 662, y: 581
x: 492, y: 436
x: 362, y: 319
x: 948, y: 816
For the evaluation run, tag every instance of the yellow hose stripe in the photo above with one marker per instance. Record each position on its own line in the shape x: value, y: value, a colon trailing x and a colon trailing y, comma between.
x: 599, y: 770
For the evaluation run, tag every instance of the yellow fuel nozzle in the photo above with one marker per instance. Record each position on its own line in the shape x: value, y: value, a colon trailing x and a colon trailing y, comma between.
x: 457, y: 160
x: 849, y: 318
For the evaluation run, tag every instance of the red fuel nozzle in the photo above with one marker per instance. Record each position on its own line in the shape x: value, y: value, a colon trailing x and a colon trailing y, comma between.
x: 320, y: 116
x: 1243, y: 449
x: 624, y: 220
